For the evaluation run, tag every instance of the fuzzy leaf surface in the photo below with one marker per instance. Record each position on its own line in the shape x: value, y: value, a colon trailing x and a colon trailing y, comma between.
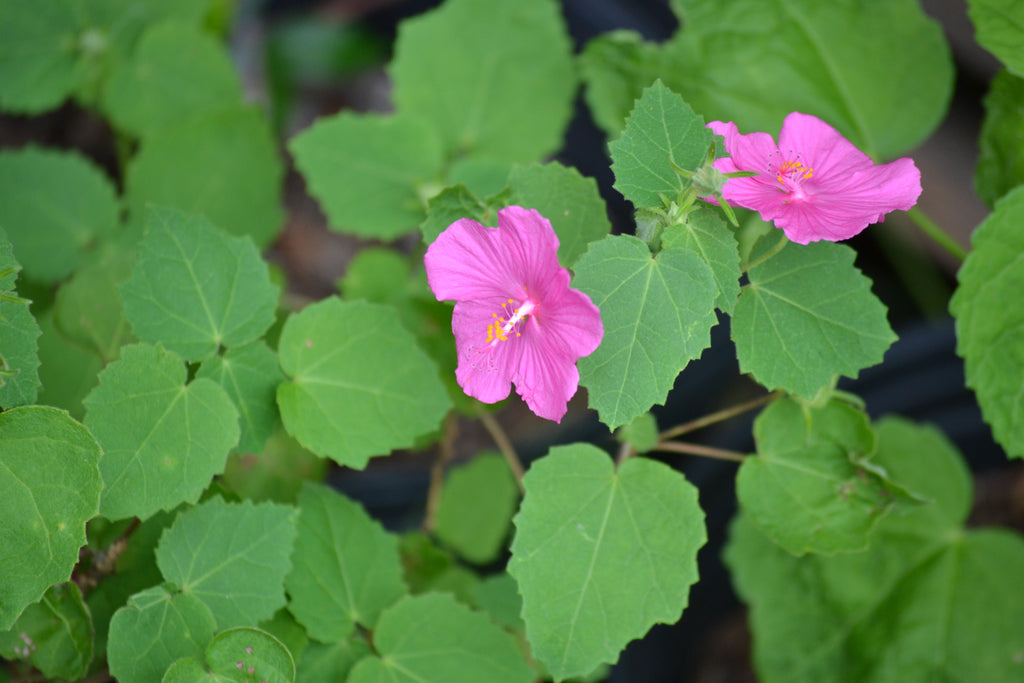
x: 55, y: 633
x: 434, y: 639
x: 49, y: 488
x: 657, y: 313
x: 345, y: 566
x: 163, y: 440
x: 358, y: 385
x: 601, y: 555
x: 707, y: 235
x: 808, y: 315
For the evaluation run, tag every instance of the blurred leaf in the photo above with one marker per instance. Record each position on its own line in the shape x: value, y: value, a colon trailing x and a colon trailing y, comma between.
x: 460, y: 645
x: 277, y: 473
x: 999, y: 28
x: 450, y: 205
x: 49, y: 487
x: 358, y: 385
x: 223, y: 165
x: 54, y: 635
x: 366, y: 171
x: 601, y: 555
x: 641, y: 434
x: 54, y: 205
x: 323, y: 663
x: 657, y: 312
x: 507, y: 94
x: 233, y: 557
x: 476, y: 506
x: 1001, y: 155
x: 67, y: 371
x: 806, y: 316
x: 345, y: 567
x: 162, y: 440
x: 88, y: 308
x: 195, y: 288
x: 427, y: 568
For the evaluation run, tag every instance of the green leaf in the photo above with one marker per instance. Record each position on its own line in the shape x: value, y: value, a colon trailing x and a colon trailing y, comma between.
x: 153, y: 630
x: 54, y: 205
x: 176, y: 72
x: 706, y: 235
x: 451, y: 204
x: 323, y: 663
x: 162, y: 440
x: 498, y: 595
x: 366, y: 171
x: 277, y: 473
x: 345, y: 566
x: 54, y: 635
x: 285, y: 628
x: 88, y: 307
x: 662, y: 135
x: 601, y: 555
x: 189, y: 670
x: 359, y: 386
x: 483, y: 176
x: 427, y: 568
x: 433, y: 639
x: 990, y: 320
x: 812, y: 487
x: 233, y: 557
x: 641, y: 434
x: 67, y: 371
x: 921, y: 604
x: 506, y: 94
x: 195, y: 288
x: 1000, y: 159
x: 569, y: 200
x: 49, y: 487
x: 250, y: 375
x: 262, y: 656
x: 657, y: 312
x: 476, y: 506
x: 50, y: 51
x: 999, y: 28
x: 808, y: 315
x: 753, y: 62
x: 19, y: 354
x: 224, y: 165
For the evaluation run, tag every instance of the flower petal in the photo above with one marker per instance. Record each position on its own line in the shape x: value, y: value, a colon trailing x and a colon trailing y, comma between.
x: 485, y: 370
x: 570, y: 324
x: 748, y: 152
x: 546, y: 379
x: 820, y: 146
x: 468, y: 261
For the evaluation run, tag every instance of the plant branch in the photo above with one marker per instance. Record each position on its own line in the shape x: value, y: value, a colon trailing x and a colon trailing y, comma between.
x: 504, y: 445
x: 938, y: 235
x: 446, y: 451
x: 717, y: 416
x: 697, y: 449
x: 625, y: 453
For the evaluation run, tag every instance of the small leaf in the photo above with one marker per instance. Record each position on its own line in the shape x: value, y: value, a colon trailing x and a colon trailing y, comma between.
x: 706, y: 235
x: 54, y: 635
x: 811, y: 487
x: 177, y: 72
x: 277, y: 473
x: 451, y: 204
x: 506, y: 94
x: 19, y: 354
x: 359, y: 386
x: 662, y: 135
x: 999, y: 28
x: 162, y: 440
x: 54, y: 205
x: 262, y: 656
x: 657, y: 313
x: 49, y: 487
x: 250, y: 375
x: 195, y: 288
x: 345, y: 566
x: 808, y: 315
x: 224, y: 165
x: 475, y: 508
x: 153, y: 630
x: 427, y: 568
x: 641, y: 434
x: 323, y: 663
x: 601, y: 555
x: 459, y: 645
x: 366, y: 170
x: 88, y: 307
x: 1000, y: 158
x: 233, y: 557
x: 67, y: 371
x: 990, y: 320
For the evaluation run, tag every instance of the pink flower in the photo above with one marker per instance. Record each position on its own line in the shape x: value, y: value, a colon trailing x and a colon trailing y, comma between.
x: 515, y: 318
x: 814, y: 184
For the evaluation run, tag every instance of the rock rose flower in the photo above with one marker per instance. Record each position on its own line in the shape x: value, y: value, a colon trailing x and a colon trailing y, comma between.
x: 516, y: 321
x: 815, y: 184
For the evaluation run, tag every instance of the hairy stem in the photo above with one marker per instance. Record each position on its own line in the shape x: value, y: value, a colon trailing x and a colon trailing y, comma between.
x: 504, y: 445
x: 697, y: 449
x: 938, y: 235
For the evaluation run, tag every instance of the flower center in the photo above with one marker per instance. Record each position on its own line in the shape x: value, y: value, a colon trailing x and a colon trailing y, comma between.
x: 511, y: 320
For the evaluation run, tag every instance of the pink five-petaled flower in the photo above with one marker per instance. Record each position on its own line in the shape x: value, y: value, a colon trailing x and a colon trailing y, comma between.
x: 815, y: 184
x: 515, y: 320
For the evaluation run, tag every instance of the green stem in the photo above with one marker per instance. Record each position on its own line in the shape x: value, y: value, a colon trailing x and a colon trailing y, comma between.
x: 697, y: 449
x: 783, y: 241
x: 718, y: 416
x: 938, y: 235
